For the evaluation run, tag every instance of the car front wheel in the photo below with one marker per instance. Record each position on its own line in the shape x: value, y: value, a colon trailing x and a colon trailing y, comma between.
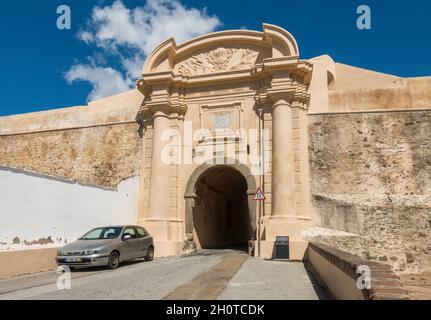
x: 150, y: 254
x: 114, y: 260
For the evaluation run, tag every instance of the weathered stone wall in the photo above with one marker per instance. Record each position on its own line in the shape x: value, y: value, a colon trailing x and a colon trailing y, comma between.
x: 371, y: 176
x: 98, y: 155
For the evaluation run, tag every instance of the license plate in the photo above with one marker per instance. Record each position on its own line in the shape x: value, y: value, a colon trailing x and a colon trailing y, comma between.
x: 73, y: 260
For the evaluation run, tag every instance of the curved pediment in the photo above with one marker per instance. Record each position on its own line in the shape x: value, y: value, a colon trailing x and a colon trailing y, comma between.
x: 222, y: 52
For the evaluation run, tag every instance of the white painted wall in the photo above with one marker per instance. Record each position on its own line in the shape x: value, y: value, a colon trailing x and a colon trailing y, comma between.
x: 33, y: 207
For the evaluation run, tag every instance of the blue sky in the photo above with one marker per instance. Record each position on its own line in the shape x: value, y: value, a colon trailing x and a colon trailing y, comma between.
x: 36, y: 57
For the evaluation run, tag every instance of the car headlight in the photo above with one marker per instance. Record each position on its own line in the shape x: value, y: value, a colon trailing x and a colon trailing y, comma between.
x: 89, y: 252
x: 61, y: 253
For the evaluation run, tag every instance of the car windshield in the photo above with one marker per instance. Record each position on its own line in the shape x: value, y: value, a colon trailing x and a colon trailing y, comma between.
x: 103, y: 233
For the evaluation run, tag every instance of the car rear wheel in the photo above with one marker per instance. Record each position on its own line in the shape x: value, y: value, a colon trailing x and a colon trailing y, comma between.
x: 150, y: 254
x: 114, y: 260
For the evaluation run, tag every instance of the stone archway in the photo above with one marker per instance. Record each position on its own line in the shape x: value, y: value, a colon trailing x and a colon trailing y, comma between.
x: 209, y: 177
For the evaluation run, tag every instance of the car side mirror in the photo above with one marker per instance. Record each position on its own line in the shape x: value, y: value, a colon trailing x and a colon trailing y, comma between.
x: 127, y: 237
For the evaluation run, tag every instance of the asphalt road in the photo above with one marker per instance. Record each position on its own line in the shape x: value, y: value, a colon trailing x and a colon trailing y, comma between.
x: 208, y: 275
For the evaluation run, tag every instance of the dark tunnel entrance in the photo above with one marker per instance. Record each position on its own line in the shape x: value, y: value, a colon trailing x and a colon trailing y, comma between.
x: 221, y: 216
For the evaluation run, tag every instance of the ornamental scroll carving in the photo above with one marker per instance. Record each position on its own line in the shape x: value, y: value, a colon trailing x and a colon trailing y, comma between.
x: 218, y: 60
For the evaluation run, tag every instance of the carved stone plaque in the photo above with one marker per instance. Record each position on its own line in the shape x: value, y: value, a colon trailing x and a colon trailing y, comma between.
x: 218, y: 60
x: 221, y: 121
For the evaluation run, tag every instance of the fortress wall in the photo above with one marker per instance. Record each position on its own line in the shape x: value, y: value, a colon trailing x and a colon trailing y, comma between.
x: 116, y: 109
x: 98, y: 144
x: 100, y: 156
x: 371, y: 176
x: 360, y: 89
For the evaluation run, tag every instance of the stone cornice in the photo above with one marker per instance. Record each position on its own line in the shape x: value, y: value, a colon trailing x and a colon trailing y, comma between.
x: 178, y: 80
x: 166, y: 103
x: 290, y: 86
x: 297, y: 68
x: 294, y: 98
x: 290, y: 78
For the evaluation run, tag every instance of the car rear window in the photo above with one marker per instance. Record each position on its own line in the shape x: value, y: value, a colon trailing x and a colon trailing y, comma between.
x: 141, y: 232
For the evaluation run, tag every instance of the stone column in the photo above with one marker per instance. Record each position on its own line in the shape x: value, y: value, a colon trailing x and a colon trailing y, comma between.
x: 283, y: 172
x: 284, y: 219
x: 159, y: 189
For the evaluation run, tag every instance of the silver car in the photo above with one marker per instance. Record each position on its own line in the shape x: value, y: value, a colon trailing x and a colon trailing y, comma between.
x: 108, y: 246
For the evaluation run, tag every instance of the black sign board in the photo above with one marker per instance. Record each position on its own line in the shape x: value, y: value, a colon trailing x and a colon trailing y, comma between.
x: 282, y: 250
x: 282, y: 240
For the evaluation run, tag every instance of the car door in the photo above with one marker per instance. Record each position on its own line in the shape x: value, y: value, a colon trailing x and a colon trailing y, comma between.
x: 129, y: 247
x: 144, y: 241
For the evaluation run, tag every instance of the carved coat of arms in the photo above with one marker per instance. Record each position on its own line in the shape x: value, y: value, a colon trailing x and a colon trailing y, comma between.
x: 218, y: 60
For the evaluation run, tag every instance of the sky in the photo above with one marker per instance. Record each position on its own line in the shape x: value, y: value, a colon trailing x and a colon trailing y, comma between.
x: 102, y: 54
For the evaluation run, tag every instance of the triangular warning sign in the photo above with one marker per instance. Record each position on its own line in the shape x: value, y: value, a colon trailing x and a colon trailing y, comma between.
x: 259, y: 195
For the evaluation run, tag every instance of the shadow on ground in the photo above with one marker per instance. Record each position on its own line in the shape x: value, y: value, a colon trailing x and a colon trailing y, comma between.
x: 322, y: 292
x: 94, y: 269
x: 215, y: 252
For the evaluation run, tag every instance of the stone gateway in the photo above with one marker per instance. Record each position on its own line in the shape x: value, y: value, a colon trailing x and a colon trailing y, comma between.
x: 204, y: 80
x: 341, y: 153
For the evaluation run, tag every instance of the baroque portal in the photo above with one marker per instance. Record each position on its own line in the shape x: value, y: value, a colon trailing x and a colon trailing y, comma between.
x: 226, y: 85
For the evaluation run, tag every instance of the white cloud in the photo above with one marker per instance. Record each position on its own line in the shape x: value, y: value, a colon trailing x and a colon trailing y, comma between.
x: 133, y: 65
x: 105, y: 81
x: 131, y: 34
x: 85, y: 36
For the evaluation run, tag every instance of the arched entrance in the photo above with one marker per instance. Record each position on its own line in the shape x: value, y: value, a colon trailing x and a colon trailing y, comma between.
x: 220, y: 212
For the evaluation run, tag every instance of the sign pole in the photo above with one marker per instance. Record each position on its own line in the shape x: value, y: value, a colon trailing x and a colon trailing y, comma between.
x: 259, y: 197
x: 259, y: 203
